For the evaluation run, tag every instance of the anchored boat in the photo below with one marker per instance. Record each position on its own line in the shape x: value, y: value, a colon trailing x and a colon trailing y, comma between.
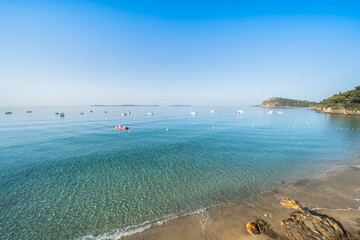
x: 118, y: 127
x: 239, y: 111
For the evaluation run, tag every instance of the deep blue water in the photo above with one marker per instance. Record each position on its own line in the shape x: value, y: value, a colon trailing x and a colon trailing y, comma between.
x: 67, y: 178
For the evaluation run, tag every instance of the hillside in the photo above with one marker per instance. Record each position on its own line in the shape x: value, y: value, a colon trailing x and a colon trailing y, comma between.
x: 286, y: 103
x: 342, y: 103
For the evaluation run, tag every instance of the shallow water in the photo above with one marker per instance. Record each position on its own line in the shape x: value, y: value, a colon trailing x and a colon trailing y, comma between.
x: 67, y: 178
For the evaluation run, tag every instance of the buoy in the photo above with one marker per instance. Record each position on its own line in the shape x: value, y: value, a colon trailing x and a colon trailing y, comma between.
x: 252, y: 125
x: 167, y: 129
x: 213, y: 128
x: 129, y: 131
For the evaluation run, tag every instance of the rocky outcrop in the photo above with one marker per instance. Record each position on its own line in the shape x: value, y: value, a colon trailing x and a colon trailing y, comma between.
x: 305, y: 224
x: 290, y: 203
x: 257, y: 226
x: 337, y: 111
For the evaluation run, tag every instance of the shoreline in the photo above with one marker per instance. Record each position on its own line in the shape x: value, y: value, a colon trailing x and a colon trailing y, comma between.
x: 329, y: 110
x: 334, y: 192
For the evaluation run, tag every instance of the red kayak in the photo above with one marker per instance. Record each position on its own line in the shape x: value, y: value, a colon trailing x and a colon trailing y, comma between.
x: 121, y: 127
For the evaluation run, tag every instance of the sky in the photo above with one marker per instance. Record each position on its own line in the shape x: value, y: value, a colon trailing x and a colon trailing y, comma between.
x: 212, y: 53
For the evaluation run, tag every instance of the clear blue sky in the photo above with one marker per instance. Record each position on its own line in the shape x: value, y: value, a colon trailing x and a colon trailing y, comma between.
x: 176, y: 52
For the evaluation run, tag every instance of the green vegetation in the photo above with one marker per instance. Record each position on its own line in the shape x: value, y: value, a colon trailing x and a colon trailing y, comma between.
x: 349, y: 100
x: 286, y: 103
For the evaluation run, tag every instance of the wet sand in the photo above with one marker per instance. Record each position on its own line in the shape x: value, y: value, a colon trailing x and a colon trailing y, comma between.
x: 335, y: 192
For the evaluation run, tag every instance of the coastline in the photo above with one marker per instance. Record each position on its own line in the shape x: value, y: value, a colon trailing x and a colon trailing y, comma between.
x: 334, y: 192
x: 337, y: 111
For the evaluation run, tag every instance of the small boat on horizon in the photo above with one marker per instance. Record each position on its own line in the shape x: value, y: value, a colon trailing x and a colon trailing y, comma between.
x: 91, y: 111
x: 62, y: 114
x: 280, y: 112
x: 128, y: 113
x: 212, y: 111
x: 57, y: 113
x: 193, y: 113
x: 28, y: 111
x: 270, y: 112
x: 123, y: 114
x: 8, y: 112
x: 118, y: 127
x: 81, y: 113
x: 150, y: 113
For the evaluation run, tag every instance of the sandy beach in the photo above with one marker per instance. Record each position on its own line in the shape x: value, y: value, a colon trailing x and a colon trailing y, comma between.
x: 335, y: 193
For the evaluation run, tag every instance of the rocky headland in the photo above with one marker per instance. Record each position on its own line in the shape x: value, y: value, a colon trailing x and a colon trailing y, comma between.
x: 347, y: 103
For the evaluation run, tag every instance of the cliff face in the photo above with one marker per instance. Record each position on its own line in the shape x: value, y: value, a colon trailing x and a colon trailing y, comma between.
x: 286, y: 103
x: 337, y: 111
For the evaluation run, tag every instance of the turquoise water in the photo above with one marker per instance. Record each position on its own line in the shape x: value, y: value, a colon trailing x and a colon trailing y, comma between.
x: 76, y: 177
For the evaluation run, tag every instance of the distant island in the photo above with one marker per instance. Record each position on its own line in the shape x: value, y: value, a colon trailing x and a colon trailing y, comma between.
x: 286, y: 103
x: 125, y: 105
x: 347, y: 103
x: 180, y: 106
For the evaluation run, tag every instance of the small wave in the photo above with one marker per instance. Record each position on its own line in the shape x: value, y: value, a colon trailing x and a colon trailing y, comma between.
x: 117, y: 234
x: 131, y: 230
x: 336, y: 209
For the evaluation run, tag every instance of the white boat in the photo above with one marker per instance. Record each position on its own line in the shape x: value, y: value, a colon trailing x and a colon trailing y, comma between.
x: 193, y: 113
x: 123, y: 114
x: 270, y: 112
x: 212, y: 111
x: 280, y: 112
x: 128, y: 113
x: 150, y: 113
x: 239, y: 111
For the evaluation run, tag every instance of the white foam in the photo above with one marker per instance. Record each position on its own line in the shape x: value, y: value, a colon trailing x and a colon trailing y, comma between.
x: 118, y: 234
x: 336, y: 209
x: 131, y: 230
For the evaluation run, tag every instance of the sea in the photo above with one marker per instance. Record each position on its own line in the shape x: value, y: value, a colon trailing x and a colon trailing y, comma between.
x: 77, y: 177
